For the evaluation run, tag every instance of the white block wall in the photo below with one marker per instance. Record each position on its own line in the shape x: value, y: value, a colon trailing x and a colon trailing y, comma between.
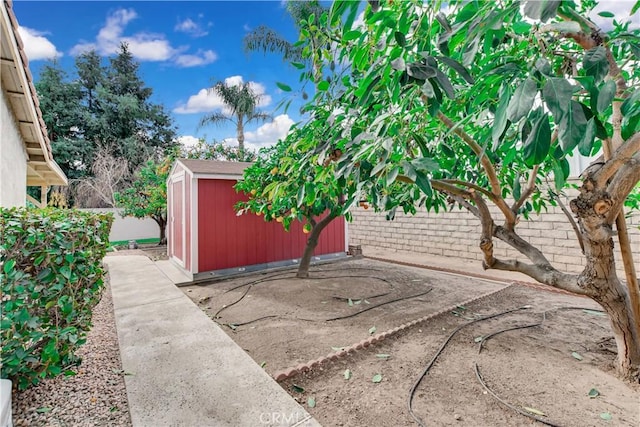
x: 129, y: 228
x: 457, y: 234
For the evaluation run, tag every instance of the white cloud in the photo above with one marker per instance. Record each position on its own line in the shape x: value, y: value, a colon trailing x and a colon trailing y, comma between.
x: 620, y: 9
x: 269, y: 133
x: 201, y: 57
x: 188, y: 141
x: 205, y: 101
x: 246, y: 28
x: 143, y: 46
x: 36, y: 45
x: 189, y: 26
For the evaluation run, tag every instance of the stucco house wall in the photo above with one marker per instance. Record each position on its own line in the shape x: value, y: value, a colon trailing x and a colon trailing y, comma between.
x: 13, y: 160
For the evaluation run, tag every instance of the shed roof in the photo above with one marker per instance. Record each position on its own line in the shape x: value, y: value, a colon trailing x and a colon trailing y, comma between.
x: 17, y: 85
x: 215, y: 166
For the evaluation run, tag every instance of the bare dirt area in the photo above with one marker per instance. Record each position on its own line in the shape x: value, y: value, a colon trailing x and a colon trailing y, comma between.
x: 547, y: 371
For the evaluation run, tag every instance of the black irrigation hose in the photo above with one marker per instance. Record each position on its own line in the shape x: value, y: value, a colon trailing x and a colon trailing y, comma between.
x: 477, y: 369
x: 378, y: 305
x: 279, y: 276
x: 412, y: 392
x: 319, y: 320
x: 507, y: 404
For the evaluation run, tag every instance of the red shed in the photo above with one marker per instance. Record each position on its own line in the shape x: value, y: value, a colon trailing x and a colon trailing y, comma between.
x: 206, y: 237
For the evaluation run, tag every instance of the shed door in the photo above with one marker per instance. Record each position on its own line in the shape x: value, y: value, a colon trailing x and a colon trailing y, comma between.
x: 177, y: 221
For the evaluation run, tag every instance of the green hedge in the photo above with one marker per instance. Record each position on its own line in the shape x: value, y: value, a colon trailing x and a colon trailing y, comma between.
x: 52, y: 277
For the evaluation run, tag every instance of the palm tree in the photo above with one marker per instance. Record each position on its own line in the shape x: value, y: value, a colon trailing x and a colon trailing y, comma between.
x: 241, y: 102
x: 266, y: 39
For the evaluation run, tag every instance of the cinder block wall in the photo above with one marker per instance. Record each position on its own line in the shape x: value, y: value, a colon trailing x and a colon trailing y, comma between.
x: 457, y: 234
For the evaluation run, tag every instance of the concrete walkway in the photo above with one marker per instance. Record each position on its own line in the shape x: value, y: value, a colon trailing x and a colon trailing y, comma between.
x: 183, y: 370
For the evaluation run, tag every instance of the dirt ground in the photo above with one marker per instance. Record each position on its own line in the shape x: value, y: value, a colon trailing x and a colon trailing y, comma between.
x: 548, y: 369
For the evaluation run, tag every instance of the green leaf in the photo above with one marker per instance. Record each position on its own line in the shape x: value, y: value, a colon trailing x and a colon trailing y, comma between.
x: 263, y: 364
x: 557, y: 95
x: 43, y: 410
x: 595, y: 63
x: 351, y: 35
x: 586, y: 143
x: 606, y: 95
x: 423, y: 183
x: 541, y: 9
x: 500, y: 122
x: 572, y: 127
x: 372, y: 330
x: 350, y: 302
x: 536, y: 147
x: 297, y: 388
x: 593, y: 393
x: 534, y: 411
x: 376, y: 378
x: 522, y: 100
x: 606, y: 14
x: 630, y: 104
x: 576, y: 356
x: 421, y: 71
x: 383, y: 356
x: 323, y: 85
x: 311, y: 402
x: 400, y: 38
x: 283, y: 87
x: 392, y: 175
x: 460, y: 69
x: 347, y: 374
x: 606, y: 416
x: 8, y: 265
x: 635, y: 8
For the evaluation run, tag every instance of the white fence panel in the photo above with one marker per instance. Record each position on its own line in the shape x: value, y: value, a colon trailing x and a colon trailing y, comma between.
x: 129, y: 228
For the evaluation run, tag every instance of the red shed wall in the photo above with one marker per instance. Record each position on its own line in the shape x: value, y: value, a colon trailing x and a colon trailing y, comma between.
x: 227, y: 241
x: 187, y: 221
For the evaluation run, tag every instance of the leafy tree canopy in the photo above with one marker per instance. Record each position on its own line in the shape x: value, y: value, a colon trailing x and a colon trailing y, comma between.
x: 481, y: 103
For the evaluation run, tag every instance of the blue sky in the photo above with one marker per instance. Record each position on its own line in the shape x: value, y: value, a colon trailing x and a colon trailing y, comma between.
x: 183, y: 47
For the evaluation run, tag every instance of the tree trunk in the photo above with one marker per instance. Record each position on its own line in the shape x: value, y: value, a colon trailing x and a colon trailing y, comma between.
x: 601, y: 279
x: 240, y: 135
x: 162, y: 224
x: 312, y: 242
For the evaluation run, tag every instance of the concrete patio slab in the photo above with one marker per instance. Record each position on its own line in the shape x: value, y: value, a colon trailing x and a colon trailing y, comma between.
x: 174, y: 274
x: 181, y: 368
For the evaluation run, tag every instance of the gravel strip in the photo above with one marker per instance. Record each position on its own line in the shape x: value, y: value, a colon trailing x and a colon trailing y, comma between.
x: 96, y: 396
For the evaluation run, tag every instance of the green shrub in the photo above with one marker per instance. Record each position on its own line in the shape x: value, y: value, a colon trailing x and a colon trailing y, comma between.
x: 52, y: 277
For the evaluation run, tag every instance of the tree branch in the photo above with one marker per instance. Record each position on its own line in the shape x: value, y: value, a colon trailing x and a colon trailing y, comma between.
x: 528, y: 190
x: 468, y: 185
x: 547, y: 275
x: 486, y: 236
x: 623, y: 154
x: 488, y: 167
x: 622, y: 184
x: 572, y: 221
x: 511, y: 238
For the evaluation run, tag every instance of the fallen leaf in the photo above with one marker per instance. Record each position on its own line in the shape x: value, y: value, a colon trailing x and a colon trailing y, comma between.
x: 376, y: 378
x: 311, y: 402
x: 43, y: 410
x: 576, y: 356
x: 593, y: 393
x: 350, y: 302
x: 297, y: 388
x: 383, y: 356
x: 478, y: 339
x: 534, y: 411
x: 263, y: 364
x: 337, y: 348
x: 372, y: 330
x: 606, y: 416
x: 347, y: 374
x: 356, y: 302
x: 366, y: 302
